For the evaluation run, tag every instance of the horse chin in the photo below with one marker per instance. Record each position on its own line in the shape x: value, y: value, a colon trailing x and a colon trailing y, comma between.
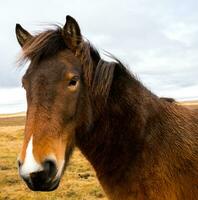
x: 45, y: 187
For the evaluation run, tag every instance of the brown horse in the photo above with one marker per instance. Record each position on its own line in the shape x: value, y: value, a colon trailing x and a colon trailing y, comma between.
x: 140, y: 146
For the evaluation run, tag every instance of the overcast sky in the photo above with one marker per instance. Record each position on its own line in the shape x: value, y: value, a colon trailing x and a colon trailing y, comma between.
x: 158, y: 40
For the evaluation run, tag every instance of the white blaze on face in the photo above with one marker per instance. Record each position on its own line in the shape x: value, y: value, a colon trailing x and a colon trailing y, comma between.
x: 30, y: 165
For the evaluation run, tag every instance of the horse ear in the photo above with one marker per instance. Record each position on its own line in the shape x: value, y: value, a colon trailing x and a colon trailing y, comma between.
x: 72, y: 33
x: 22, y: 35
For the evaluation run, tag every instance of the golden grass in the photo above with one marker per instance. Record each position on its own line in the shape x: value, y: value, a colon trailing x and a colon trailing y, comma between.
x: 78, y: 183
x: 189, y: 104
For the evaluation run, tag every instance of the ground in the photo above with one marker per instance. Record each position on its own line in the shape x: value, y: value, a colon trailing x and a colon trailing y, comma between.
x: 78, y: 183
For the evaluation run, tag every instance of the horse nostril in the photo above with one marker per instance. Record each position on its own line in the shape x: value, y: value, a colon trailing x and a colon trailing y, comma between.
x: 50, y: 168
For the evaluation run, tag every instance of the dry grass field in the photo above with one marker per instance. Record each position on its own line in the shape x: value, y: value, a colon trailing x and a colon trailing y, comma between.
x: 78, y: 183
x: 190, y: 104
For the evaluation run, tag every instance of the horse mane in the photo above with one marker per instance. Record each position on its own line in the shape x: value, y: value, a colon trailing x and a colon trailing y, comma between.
x: 97, y: 73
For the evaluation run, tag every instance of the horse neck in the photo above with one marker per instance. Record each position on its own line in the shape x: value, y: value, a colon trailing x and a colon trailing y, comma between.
x: 117, y: 135
x: 135, y: 133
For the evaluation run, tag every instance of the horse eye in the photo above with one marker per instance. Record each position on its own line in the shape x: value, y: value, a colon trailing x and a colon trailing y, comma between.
x: 73, y: 81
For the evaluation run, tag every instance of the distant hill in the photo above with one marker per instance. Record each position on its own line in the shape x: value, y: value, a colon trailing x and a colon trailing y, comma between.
x: 190, y: 104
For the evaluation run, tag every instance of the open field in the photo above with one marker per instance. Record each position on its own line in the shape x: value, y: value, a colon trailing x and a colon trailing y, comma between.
x: 190, y: 104
x: 78, y: 183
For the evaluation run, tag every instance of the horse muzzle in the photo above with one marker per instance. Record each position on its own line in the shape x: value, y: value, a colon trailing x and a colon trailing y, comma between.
x: 42, y: 180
